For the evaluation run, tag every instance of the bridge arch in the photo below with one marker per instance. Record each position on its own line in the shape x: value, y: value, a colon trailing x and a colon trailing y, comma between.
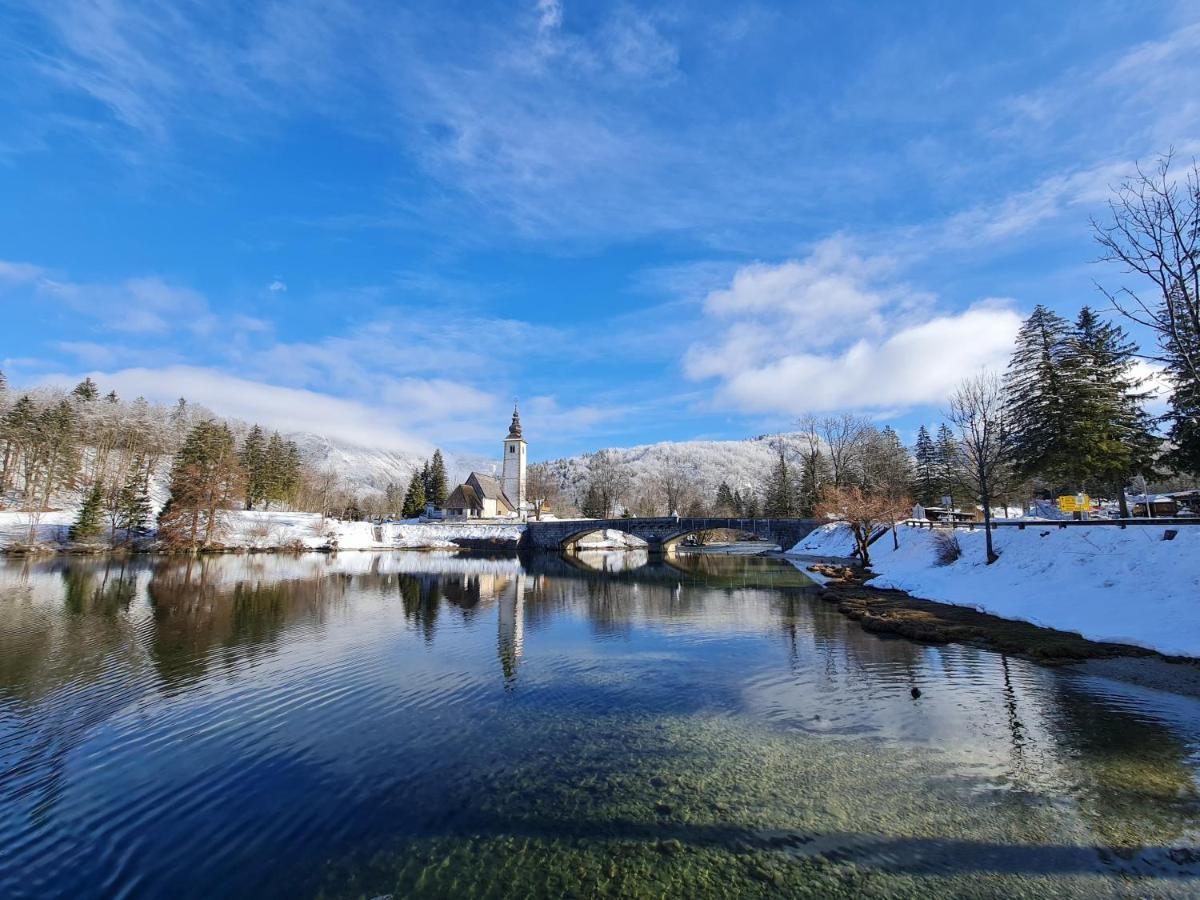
x: 572, y: 541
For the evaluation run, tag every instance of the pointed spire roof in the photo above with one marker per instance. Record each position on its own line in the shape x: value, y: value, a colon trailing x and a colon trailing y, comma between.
x: 514, y: 430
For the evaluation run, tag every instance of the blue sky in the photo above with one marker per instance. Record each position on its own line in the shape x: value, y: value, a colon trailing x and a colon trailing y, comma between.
x: 649, y: 222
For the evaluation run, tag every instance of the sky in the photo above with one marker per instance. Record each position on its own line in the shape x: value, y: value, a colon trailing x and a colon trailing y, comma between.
x: 385, y: 221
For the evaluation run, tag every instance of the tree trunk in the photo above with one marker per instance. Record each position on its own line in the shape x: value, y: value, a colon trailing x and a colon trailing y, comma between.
x: 1122, y: 503
x: 985, y: 496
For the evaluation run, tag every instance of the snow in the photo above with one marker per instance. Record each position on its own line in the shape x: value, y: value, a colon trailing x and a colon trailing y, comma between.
x: 1125, y: 585
x: 266, y: 530
x: 834, y: 539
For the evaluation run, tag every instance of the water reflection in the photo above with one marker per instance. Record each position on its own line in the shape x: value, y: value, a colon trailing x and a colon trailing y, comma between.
x: 360, y: 713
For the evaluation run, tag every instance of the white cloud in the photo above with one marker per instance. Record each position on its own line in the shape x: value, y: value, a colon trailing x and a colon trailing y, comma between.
x: 277, y: 287
x: 831, y: 331
x: 19, y: 272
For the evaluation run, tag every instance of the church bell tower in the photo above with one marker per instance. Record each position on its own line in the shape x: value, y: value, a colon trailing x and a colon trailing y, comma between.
x: 513, y: 472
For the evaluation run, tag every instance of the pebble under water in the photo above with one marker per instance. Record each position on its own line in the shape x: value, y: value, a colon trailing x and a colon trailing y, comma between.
x: 414, y: 724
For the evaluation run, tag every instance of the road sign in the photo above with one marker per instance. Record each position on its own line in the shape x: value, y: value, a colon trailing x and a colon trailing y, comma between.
x: 1074, y: 503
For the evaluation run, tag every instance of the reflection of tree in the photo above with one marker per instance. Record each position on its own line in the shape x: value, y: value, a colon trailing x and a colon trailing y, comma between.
x: 421, y: 596
x: 90, y: 589
x: 1134, y: 781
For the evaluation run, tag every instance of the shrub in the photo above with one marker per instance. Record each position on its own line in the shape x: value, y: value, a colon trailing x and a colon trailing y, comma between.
x: 946, y: 548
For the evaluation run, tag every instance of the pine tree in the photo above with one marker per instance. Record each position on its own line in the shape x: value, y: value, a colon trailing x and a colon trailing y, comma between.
x: 815, y: 473
x: 726, y: 503
x: 86, y: 390
x: 253, y: 459
x: 1040, y: 398
x: 779, y: 492
x: 133, y: 504
x: 89, y: 521
x: 592, y: 506
x: 436, y: 491
x: 1183, y: 410
x: 56, y: 436
x: 1110, y: 437
x: 925, y: 475
x: 947, y: 463
x: 205, y: 480
x: 414, y: 498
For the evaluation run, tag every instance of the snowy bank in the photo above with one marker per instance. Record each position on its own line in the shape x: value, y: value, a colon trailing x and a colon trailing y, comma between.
x: 834, y: 539
x: 1125, y: 585
x: 268, y: 530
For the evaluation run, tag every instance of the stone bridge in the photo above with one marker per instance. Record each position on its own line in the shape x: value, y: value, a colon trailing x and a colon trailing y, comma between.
x: 660, y: 533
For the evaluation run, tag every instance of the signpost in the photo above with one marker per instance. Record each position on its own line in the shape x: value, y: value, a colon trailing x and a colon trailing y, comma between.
x: 1079, y: 503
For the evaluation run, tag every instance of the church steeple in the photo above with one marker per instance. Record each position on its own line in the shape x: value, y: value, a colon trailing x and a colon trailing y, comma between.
x: 514, y: 430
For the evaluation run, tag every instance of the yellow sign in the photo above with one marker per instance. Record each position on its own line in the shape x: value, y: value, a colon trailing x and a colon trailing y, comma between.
x: 1074, y: 503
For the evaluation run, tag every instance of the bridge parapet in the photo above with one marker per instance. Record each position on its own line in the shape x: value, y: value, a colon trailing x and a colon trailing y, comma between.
x: 658, y: 531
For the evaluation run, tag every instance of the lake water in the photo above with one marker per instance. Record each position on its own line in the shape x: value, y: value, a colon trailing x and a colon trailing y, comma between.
x: 417, y: 724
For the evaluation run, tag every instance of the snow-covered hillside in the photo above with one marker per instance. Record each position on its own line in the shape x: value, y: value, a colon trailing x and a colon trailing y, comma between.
x: 369, y: 470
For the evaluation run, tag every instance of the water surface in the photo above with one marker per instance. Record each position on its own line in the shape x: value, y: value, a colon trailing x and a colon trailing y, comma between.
x: 431, y: 725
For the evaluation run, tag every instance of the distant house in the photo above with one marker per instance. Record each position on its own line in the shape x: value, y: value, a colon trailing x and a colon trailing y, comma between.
x: 1160, y: 505
x: 479, y: 497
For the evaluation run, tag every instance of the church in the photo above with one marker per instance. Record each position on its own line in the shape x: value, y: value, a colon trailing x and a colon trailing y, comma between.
x: 483, y: 496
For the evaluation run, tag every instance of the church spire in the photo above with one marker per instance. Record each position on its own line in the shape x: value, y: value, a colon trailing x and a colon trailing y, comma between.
x: 514, y: 430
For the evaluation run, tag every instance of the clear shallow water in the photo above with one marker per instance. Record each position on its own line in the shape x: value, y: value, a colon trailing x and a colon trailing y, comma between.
x: 419, y: 724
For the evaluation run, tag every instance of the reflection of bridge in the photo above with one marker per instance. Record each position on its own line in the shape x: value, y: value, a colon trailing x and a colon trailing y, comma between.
x: 661, y: 534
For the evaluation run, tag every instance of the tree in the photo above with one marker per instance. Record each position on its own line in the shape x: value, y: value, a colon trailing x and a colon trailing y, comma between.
x: 593, y: 506
x: 393, y: 499
x: 925, y: 480
x: 89, y: 520
x: 544, y: 488
x: 56, y: 439
x: 946, y: 455
x: 1110, y: 437
x: 436, y: 490
x: 86, y: 390
x: 673, y: 477
x: 863, y: 511
x: 205, y: 480
x: 1154, y: 233
x: 1039, y: 397
x: 253, y: 459
x: 133, y: 505
x: 978, y: 408
x: 726, y: 503
x: 779, y: 491
x: 815, y: 470
x: 608, y: 477
x: 887, y: 473
x: 414, y: 497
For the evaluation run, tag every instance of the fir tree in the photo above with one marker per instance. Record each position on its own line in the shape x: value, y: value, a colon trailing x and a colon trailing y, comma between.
x: 393, y: 498
x: 779, y: 492
x: 1183, y: 411
x: 814, y: 474
x: 947, y: 464
x: 593, y: 503
x: 925, y: 481
x: 726, y: 503
x: 1039, y: 398
x: 1109, y: 439
x: 111, y: 397
x: 436, y: 491
x: 133, y: 505
x: 253, y: 459
x: 56, y: 434
x: 205, y: 480
x: 414, y: 498
x: 86, y: 390
x: 89, y: 521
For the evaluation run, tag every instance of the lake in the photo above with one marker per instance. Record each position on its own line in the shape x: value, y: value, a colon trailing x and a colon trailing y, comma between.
x: 416, y: 724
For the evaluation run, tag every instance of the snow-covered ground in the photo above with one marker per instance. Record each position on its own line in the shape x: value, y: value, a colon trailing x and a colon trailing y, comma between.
x: 264, y: 530
x: 1109, y: 584
x: 833, y: 539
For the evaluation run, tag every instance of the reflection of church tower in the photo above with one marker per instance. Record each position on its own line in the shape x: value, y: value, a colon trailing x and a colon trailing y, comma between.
x: 512, y: 479
x: 510, y: 641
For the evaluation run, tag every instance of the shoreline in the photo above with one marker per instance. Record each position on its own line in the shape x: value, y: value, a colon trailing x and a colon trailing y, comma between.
x: 887, y: 611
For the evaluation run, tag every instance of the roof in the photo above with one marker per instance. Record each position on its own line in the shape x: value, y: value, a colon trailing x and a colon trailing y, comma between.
x: 489, y: 488
x: 463, y: 497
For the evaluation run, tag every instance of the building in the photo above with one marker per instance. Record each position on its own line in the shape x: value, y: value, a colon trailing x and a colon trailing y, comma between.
x: 483, y: 497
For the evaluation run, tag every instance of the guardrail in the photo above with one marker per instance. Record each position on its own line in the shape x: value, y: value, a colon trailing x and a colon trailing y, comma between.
x: 1057, y: 523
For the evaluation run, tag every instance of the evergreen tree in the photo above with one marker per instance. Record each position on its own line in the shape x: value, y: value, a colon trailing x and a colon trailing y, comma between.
x: 253, y: 459
x: 1040, y: 401
x: 815, y: 473
x: 593, y: 503
x: 205, y: 480
x: 414, y: 498
x: 56, y: 436
x: 925, y: 474
x: 393, y: 498
x: 89, y: 521
x: 1109, y: 439
x: 281, y: 470
x: 779, y: 492
x: 1183, y: 411
x: 436, y: 491
x: 726, y: 503
x: 426, y: 484
x: 946, y: 463
x: 18, y: 429
x: 133, y: 504
x: 111, y: 397
x: 86, y: 390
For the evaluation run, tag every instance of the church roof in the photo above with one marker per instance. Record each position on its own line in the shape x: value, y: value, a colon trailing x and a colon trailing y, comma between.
x: 489, y: 487
x: 463, y: 497
x: 514, y: 430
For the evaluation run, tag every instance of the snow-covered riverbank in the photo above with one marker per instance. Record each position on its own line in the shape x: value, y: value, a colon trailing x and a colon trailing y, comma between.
x: 266, y: 530
x: 1108, y: 584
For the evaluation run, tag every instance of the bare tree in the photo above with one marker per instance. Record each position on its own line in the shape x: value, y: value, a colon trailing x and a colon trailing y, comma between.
x: 843, y: 436
x: 674, y: 478
x: 609, y: 478
x: 864, y: 512
x: 543, y: 489
x: 977, y: 409
x: 1155, y: 233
